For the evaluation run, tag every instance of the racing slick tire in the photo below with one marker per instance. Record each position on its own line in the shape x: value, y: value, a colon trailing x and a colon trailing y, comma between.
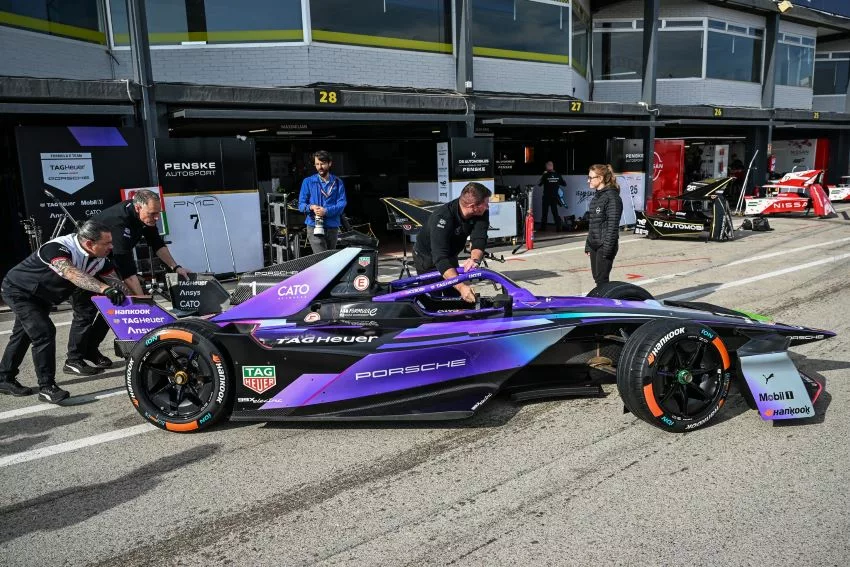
x: 620, y: 290
x: 178, y: 378
x: 674, y: 374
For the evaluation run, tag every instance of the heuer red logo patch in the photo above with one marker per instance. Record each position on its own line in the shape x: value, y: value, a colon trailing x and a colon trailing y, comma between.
x: 259, y: 378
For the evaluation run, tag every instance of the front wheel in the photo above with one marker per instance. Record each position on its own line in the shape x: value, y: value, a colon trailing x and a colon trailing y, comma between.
x: 674, y: 374
x: 177, y: 377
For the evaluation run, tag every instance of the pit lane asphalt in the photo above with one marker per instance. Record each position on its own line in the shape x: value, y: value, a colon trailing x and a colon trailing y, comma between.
x: 567, y: 482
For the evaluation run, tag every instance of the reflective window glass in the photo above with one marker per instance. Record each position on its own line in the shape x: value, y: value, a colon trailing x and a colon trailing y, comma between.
x: 794, y: 65
x: 617, y: 55
x: 521, y: 29
x: 213, y: 21
x: 679, y: 54
x: 77, y: 20
x: 831, y: 77
x: 579, y: 39
x: 420, y: 25
x: 733, y: 57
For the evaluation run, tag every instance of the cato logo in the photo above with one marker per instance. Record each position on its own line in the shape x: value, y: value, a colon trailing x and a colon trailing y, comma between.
x: 259, y: 378
x: 292, y: 291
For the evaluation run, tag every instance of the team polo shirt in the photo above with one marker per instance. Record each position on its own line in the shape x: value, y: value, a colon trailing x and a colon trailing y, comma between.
x: 36, y: 276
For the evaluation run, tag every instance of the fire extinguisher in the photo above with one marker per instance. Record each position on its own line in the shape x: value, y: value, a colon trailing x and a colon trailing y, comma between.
x: 529, y: 221
x: 771, y: 163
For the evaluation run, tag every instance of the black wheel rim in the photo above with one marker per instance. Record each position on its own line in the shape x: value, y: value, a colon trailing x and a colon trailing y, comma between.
x: 688, y: 378
x: 177, y: 380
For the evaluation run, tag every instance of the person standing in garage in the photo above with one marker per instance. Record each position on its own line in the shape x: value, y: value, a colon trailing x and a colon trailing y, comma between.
x: 605, y: 210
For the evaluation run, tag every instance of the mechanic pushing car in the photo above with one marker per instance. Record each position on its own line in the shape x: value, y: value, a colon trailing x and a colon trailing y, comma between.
x: 443, y: 237
x: 128, y: 221
x: 46, y: 278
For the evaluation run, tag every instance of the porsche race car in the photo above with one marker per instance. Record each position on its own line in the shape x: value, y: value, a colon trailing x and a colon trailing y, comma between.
x: 321, y: 339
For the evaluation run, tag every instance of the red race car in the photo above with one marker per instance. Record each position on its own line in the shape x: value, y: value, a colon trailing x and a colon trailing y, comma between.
x: 796, y: 192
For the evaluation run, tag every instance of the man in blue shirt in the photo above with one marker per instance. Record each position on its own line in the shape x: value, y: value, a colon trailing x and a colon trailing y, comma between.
x: 323, y: 200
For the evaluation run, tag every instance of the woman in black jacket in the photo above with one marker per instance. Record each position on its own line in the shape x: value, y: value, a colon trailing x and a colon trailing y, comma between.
x: 605, y: 210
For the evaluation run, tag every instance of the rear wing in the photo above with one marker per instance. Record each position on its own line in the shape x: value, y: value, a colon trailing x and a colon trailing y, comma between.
x: 133, y: 319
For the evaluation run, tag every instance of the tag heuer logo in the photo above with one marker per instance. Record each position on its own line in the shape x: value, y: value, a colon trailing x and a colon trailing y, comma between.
x: 259, y: 378
x: 364, y: 261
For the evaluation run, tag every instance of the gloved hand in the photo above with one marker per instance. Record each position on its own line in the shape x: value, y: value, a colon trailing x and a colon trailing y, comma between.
x: 115, y: 295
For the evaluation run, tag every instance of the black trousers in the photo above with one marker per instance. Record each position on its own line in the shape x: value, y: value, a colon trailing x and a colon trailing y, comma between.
x: 32, y: 327
x: 550, y: 203
x: 600, y: 266
x: 88, y: 328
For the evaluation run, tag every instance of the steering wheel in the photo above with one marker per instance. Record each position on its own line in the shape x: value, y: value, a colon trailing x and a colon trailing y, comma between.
x: 477, y: 301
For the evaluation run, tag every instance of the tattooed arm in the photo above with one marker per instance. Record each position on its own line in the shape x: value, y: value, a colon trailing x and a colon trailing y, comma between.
x: 64, y: 268
x: 113, y: 280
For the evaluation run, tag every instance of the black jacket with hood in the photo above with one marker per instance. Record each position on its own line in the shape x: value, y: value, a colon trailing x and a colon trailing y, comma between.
x: 605, y: 210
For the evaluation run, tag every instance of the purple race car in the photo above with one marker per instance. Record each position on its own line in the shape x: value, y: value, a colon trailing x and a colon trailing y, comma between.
x: 328, y: 342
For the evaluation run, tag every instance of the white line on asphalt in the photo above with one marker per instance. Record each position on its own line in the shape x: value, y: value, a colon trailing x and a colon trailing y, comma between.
x: 745, y: 281
x: 18, y: 458
x: 782, y: 252
x: 743, y: 261
x: 77, y: 400
x: 550, y: 250
x: 62, y: 324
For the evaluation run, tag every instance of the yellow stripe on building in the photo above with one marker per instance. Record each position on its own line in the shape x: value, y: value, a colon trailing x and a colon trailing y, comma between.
x: 378, y: 41
x: 523, y: 55
x: 54, y: 28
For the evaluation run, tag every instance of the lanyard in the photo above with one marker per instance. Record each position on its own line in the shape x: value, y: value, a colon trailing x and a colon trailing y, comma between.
x: 330, y: 188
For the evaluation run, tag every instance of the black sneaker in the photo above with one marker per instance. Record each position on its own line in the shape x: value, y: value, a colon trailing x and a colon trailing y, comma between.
x: 81, y: 368
x: 14, y: 388
x: 52, y: 394
x: 100, y: 360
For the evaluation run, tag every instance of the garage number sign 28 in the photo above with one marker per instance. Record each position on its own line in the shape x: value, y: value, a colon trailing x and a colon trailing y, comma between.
x: 325, y: 97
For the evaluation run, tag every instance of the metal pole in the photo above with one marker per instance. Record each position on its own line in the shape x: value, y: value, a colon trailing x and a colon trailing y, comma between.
x: 203, y: 237
x: 226, y: 232
x: 140, y: 54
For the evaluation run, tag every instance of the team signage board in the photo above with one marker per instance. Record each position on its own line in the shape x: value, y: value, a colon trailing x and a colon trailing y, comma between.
x: 84, y: 167
x: 212, y: 203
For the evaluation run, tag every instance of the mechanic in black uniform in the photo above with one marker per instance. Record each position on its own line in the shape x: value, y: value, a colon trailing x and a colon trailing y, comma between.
x: 551, y: 180
x: 444, y: 236
x: 128, y: 221
x: 46, y: 278
x: 603, y: 234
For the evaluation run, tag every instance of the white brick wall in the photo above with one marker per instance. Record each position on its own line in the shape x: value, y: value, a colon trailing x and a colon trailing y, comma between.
x: 829, y: 103
x: 710, y: 92
x: 294, y: 65
x: 617, y: 91
x: 502, y: 75
x: 31, y: 54
x: 793, y: 97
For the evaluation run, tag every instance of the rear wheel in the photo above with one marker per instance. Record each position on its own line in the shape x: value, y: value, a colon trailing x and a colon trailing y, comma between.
x: 178, y: 378
x: 674, y: 374
x: 620, y: 290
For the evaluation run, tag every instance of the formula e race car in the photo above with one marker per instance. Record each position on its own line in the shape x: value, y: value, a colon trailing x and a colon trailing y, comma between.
x: 321, y: 339
x: 796, y: 192
x: 705, y: 211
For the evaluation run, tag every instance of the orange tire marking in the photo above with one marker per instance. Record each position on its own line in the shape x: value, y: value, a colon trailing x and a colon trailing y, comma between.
x: 181, y: 426
x: 724, y: 354
x: 650, y: 401
x: 184, y: 336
